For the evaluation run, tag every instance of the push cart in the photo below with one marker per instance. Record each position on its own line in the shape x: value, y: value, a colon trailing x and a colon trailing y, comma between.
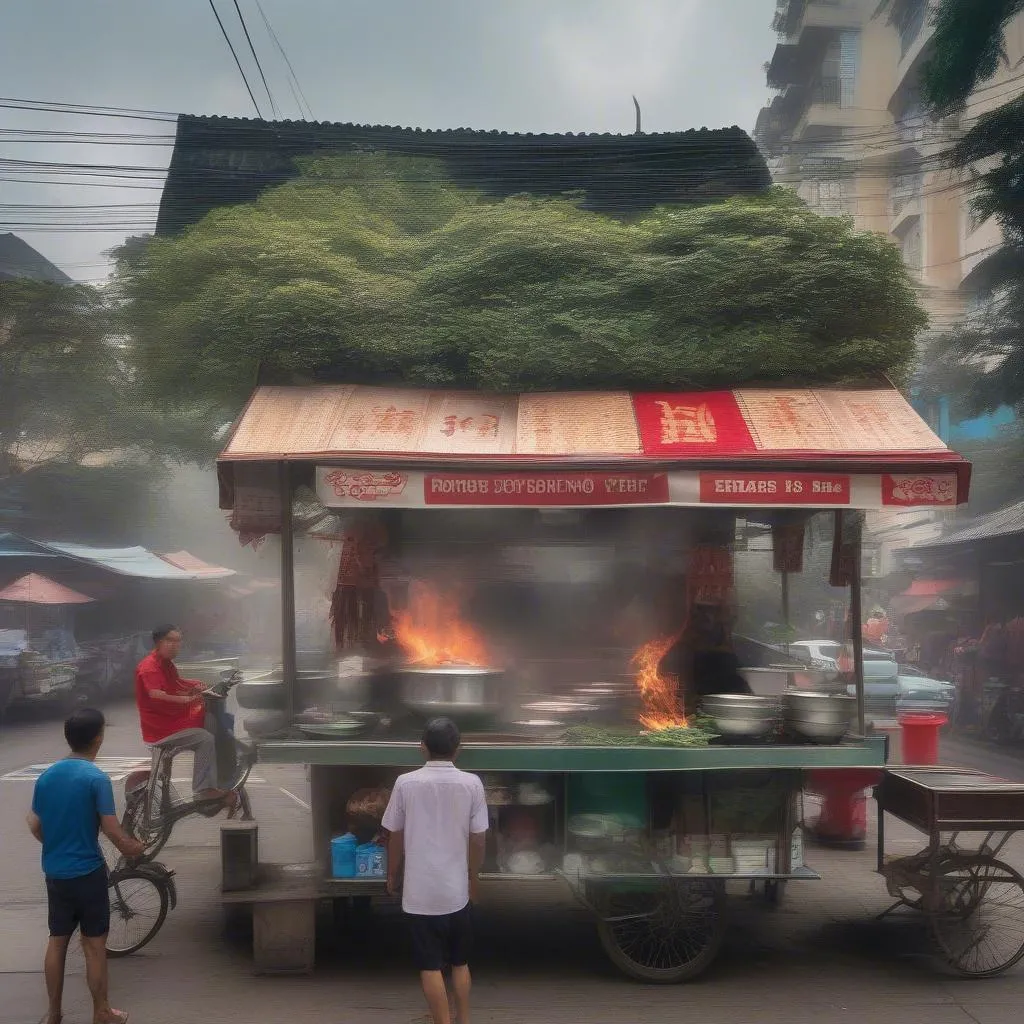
x: 974, y: 900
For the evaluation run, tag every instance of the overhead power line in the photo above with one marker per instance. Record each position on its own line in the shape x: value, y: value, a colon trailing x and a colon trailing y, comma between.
x: 238, y: 63
x: 256, y: 58
x: 293, y: 79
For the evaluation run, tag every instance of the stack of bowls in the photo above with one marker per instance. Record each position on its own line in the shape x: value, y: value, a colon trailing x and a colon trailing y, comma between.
x: 741, y: 716
x: 822, y: 717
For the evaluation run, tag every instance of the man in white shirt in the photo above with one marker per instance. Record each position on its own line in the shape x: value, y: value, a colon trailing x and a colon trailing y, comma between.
x: 437, y: 820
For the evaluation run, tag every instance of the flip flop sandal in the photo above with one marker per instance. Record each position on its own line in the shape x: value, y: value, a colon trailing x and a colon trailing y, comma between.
x: 117, y: 1017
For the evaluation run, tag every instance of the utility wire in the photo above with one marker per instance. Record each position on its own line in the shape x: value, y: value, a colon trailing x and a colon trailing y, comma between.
x: 241, y: 70
x: 300, y: 96
x: 255, y: 57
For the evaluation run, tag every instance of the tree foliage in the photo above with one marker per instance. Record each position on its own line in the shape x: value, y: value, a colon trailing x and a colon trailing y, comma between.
x: 79, y: 440
x: 372, y: 268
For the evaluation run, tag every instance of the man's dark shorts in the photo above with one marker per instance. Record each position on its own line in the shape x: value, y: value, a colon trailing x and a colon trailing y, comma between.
x: 442, y: 941
x: 79, y: 903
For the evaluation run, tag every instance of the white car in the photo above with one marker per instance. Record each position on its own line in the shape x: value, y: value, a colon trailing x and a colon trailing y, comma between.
x: 887, y: 684
x: 825, y: 654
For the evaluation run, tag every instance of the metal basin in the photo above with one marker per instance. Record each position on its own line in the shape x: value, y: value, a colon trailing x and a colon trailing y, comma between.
x: 463, y: 693
x: 820, y: 732
x: 737, y: 716
x: 818, y: 716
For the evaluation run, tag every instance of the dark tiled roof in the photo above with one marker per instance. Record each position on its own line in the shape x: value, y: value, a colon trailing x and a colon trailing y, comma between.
x: 19, y: 260
x: 1004, y: 522
x: 221, y: 160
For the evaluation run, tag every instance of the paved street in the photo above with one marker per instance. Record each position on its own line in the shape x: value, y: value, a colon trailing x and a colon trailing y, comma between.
x: 820, y: 957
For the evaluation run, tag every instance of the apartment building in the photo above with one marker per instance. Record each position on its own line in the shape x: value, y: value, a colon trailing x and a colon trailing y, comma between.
x: 846, y: 129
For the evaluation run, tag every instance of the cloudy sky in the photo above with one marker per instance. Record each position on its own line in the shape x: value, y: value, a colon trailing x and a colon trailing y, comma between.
x: 513, y: 65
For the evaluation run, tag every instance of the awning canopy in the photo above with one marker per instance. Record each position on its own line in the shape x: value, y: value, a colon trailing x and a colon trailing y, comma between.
x: 812, y: 447
x: 36, y: 589
x: 138, y: 562
x: 14, y: 546
x: 932, y: 588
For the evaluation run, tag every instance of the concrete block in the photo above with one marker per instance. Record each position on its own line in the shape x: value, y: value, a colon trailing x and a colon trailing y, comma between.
x: 284, y: 937
x: 239, y: 855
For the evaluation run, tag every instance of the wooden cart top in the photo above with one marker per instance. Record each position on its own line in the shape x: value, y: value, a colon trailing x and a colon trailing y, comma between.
x: 940, y: 799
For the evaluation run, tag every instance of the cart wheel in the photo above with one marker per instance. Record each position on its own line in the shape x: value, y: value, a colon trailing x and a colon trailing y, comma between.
x: 667, y: 934
x: 979, y: 920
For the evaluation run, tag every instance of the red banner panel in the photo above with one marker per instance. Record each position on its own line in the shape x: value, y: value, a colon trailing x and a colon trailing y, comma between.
x: 913, y: 491
x: 699, y: 424
x: 534, y: 490
x: 774, y: 488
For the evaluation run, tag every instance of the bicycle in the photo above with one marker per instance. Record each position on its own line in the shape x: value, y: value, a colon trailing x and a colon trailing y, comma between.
x: 152, y: 805
x: 141, y: 895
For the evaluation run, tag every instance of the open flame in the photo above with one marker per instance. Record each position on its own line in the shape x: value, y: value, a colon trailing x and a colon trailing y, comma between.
x: 659, y: 693
x: 431, y: 631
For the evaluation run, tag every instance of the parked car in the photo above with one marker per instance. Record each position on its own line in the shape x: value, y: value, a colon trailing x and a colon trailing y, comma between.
x: 828, y: 655
x: 888, y: 686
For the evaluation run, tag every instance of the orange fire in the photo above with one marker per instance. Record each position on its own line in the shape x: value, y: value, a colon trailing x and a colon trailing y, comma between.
x: 431, y: 632
x: 659, y: 693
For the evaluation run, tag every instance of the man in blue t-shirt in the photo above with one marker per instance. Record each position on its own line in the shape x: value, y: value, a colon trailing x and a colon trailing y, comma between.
x: 73, y: 800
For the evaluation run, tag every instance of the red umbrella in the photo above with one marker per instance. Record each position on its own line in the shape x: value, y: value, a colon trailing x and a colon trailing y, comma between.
x: 36, y: 589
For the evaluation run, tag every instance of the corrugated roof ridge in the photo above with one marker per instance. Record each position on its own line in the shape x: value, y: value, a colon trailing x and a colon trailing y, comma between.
x: 222, y: 119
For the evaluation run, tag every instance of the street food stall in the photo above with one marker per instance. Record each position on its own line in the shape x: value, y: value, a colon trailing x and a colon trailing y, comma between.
x: 579, y: 580
x: 42, y: 661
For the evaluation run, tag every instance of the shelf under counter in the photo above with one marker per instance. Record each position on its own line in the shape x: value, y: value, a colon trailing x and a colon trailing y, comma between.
x: 554, y: 757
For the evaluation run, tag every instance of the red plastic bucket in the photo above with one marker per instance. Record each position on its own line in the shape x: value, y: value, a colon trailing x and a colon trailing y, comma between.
x: 921, y: 736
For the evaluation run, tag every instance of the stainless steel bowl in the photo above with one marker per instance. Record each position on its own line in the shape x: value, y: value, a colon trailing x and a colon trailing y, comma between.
x: 458, y: 692
x: 820, y: 732
x: 742, y: 726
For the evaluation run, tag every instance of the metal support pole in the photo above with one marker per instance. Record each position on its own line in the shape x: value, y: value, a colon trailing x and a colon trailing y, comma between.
x: 856, y: 618
x: 287, y: 588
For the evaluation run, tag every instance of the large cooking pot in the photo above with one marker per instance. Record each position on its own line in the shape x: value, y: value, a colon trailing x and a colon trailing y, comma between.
x: 463, y: 693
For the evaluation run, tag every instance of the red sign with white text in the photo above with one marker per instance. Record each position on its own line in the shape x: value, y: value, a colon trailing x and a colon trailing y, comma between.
x: 533, y: 490
x: 915, y: 491
x: 774, y: 488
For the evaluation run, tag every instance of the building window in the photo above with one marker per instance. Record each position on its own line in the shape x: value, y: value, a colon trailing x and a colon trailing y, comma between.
x: 905, y: 189
x: 912, y: 246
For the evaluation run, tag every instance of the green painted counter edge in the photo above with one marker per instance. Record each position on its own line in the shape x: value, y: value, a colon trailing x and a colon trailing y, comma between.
x: 869, y: 753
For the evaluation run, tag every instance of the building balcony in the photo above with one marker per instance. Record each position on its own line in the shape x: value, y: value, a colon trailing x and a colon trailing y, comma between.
x: 799, y: 16
x: 915, y: 28
x: 906, y: 200
x: 829, y: 109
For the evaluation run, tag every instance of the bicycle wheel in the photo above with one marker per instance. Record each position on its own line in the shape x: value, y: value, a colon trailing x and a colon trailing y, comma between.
x: 134, y: 823
x: 139, y: 901
x: 977, y: 915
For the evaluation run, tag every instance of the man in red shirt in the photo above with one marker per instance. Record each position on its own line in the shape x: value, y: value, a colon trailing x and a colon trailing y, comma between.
x: 172, y: 711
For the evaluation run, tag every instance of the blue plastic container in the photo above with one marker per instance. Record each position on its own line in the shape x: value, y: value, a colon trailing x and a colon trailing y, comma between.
x: 343, y: 856
x: 371, y: 861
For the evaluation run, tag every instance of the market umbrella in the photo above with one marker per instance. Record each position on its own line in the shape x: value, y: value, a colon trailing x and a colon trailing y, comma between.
x: 36, y: 589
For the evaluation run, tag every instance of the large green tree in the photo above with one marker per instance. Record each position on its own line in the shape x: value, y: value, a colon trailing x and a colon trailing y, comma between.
x: 983, y: 357
x: 79, y: 438
x: 375, y: 268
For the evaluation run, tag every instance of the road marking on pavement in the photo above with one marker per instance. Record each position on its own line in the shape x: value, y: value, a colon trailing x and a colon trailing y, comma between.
x: 288, y: 793
x: 118, y: 768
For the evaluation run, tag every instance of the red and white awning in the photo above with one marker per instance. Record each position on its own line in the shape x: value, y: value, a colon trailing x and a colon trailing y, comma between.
x: 753, y: 447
